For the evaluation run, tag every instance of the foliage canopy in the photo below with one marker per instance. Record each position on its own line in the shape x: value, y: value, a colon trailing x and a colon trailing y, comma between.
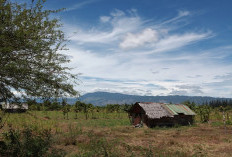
x: 31, y: 62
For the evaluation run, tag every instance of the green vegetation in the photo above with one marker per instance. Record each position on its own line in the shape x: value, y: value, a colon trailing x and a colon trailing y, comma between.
x: 30, y: 59
x: 107, y: 132
x: 31, y: 62
x: 28, y: 142
x: 60, y: 129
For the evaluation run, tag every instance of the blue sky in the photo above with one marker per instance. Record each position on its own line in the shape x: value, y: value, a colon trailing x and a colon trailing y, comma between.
x: 148, y: 47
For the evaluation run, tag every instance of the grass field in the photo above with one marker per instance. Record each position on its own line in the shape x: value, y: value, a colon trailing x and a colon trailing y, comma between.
x: 110, y: 134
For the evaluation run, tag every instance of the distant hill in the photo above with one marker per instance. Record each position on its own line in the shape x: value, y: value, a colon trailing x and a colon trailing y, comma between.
x: 103, y: 98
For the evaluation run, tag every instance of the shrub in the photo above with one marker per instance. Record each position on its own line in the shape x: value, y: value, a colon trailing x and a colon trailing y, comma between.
x: 71, y: 136
x: 98, y: 147
x: 26, y: 143
x: 228, y: 122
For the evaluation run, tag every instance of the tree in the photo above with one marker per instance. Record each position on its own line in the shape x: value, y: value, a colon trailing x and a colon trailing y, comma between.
x: 77, y: 108
x: 65, y: 108
x: 86, y: 108
x: 31, y: 62
x: 204, y: 112
x: 192, y: 105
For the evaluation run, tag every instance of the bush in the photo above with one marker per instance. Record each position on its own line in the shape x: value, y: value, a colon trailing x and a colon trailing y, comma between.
x: 26, y: 143
x: 204, y: 112
x: 217, y: 123
x: 71, y: 136
x: 228, y: 122
x: 98, y: 147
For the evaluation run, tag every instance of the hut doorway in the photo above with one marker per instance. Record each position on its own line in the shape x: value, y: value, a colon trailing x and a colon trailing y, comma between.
x: 137, y: 119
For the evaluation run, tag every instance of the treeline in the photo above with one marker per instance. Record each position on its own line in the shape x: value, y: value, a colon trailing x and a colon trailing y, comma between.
x: 50, y: 105
x: 53, y: 105
x: 204, y: 109
x: 219, y: 103
x: 227, y: 103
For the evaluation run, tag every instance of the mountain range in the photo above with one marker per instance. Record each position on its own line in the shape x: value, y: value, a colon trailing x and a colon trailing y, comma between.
x: 103, y: 98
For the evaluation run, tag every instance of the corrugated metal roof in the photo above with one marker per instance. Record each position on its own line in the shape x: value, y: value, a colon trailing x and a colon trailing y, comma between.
x: 179, y: 108
x: 159, y: 110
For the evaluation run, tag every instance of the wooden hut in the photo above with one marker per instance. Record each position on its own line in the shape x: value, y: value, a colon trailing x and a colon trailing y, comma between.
x: 159, y: 114
x: 11, y: 107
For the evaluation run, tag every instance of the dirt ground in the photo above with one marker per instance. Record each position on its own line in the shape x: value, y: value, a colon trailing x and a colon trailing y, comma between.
x: 199, y: 140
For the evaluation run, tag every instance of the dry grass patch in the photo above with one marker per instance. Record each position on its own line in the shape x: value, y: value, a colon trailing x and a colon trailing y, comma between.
x: 105, y: 137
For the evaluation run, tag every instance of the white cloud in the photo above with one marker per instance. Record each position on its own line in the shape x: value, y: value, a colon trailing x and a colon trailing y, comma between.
x: 119, y: 26
x: 105, y: 19
x: 121, y: 55
x: 148, y: 35
x: 80, y: 5
x: 130, y: 31
x: 117, y: 13
x: 135, y: 73
x: 183, y: 13
x: 173, y: 42
x: 167, y: 43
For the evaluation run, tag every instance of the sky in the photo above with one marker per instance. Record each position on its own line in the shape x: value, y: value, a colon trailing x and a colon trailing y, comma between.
x: 149, y: 47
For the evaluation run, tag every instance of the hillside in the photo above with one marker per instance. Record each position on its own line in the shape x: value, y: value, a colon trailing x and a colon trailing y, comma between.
x: 103, y: 98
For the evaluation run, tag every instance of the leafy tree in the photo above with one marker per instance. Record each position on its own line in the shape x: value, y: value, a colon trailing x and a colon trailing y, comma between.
x: 46, y: 104
x: 113, y: 108
x: 126, y: 107
x: 204, y: 112
x: 86, y: 108
x: 31, y: 62
x: 110, y: 108
x: 77, y: 107
x: 54, y: 106
x: 190, y: 105
x: 31, y: 102
x: 65, y: 108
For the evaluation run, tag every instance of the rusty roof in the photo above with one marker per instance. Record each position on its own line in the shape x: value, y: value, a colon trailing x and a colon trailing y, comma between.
x: 155, y: 110
x: 159, y: 110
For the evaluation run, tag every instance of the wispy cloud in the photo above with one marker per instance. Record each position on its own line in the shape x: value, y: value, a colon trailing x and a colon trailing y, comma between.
x: 181, y: 14
x: 173, y: 42
x: 118, y: 25
x: 129, y: 54
x: 127, y: 30
x: 80, y: 5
